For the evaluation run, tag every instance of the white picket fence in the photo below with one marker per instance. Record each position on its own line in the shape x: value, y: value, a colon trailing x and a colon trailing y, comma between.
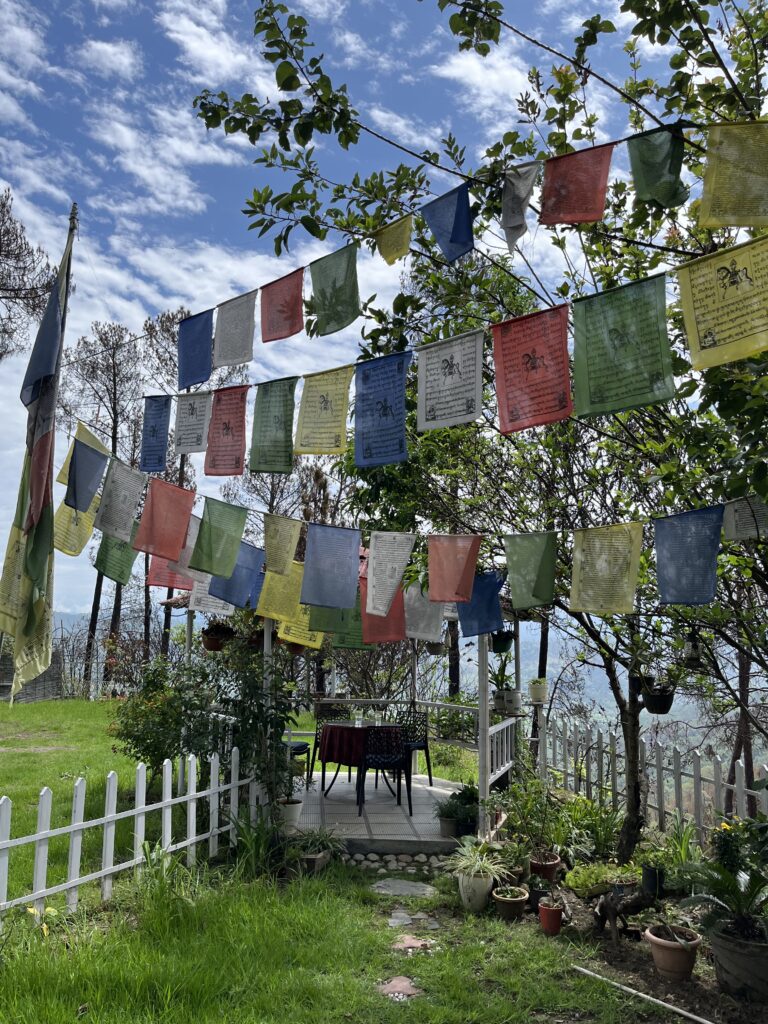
x: 223, y: 799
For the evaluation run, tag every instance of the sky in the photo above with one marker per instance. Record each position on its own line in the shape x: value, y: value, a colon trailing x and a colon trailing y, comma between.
x: 96, y: 107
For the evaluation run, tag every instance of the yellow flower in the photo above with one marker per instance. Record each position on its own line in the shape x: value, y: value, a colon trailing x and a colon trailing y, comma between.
x: 725, y: 825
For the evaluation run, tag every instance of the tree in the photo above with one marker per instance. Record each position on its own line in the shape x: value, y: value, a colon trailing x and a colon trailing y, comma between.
x: 25, y: 280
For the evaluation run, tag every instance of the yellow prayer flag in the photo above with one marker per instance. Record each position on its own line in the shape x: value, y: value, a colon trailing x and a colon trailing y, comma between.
x: 82, y: 433
x: 725, y: 304
x: 394, y: 240
x: 279, y: 598
x: 606, y: 564
x: 281, y: 535
x: 735, y: 192
x: 298, y: 631
x: 72, y: 529
x: 322, y: 427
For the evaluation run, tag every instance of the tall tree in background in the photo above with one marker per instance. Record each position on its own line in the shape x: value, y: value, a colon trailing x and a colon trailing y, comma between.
x: 25, y: 280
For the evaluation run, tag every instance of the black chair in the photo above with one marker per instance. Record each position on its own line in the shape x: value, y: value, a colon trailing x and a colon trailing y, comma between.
x: 385, y: 751
x: 299, y: 748
x: 416, y: 733
x: 326, y: 713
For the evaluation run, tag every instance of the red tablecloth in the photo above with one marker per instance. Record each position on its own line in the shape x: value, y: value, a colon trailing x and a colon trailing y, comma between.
x: 344, y: 742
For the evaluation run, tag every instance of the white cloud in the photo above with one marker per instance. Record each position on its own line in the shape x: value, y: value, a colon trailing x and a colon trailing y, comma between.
x: 10, y: 110
x: 22, y: 40
x: 410, y: 131
x: 323, y: 10
x: 120, y: 58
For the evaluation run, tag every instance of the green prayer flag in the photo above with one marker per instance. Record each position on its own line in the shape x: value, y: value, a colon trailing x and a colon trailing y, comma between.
x: 272, y: 437
x: 324, y: 620
x: 335, y: 297
x: 621, y: 353
x: 115, y: 557
x: 349, y: 635
x: 218, y: 539
x: 656, y: 159
x: 531, y: 559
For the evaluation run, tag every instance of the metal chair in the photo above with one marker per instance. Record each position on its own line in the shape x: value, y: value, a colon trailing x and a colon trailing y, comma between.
x: 416, y: 733
x: 385, y: 751
x: 296, y: 749
x: 326, y: 713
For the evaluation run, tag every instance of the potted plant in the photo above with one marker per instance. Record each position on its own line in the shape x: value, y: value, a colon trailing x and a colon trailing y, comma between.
x: 538, y: 889
x: 673, y: 948
x: 517, y: 859
x: 510, y: 901
x: 537, y: 691
x: 447, y: 813
x: 467, y: 809
x: 545, y: 864
x: 477, y: 865
x: 551, y: 909
x: 289, y: 807
x: 501, y: 642
x: 500, y: 698
x: 215, y: 634
x: 653, y: 866
x: 658, y: 695
x: 316, y: 847
x: 435, y: 647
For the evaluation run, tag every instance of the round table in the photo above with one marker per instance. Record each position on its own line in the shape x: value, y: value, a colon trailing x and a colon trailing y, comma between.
x: 344, y: 743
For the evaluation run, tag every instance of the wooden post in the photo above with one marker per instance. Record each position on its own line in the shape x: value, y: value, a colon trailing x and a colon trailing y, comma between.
x: 483, y: 725
x: 677, y: 776
x: 108, y: 840
x: 188, y: 638
x: 764, y: 794
x: 717, y: 777
x: 741, y: 790
x: 213, y: 807
x: 543, y: 749
x: 40, y: 869
x: 139, y: 822
x: 614, y: 772
x: 600, y: 767
x: 166, y: 814
x: 698, y: 811
x: 191, y: 810
x: 75, y: 842
x: 588, y: 749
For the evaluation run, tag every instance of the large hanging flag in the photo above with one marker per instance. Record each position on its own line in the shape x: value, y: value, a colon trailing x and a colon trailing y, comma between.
x: 423, y: 618
x: 322, y: 426
x: 282, y: 308
x: 324, y: 620
x: 72, y: 529
x: 26, y: 587
x: 272, y: 437
x: 300, y: 632
x: 380, y: 410
x: 154, y: 433
x: 725, y: 304
x: 686, y: 555
x: 349, y: 635
x: 519, y: 183
x: 482, y: 613
x: 745, y: 519
x: 115, y: 558
x: 575, y: 186
x: 279, y: 597
x: 225, y: 452
x: 388, y: 556
x: 735, y: 192
x: 533, y: 381
x: 531, y: 564
x: 606, y: 565
x: 86, y: 469
x: 331, y: 566
x: 164, y: 521
x: 218, y: 538
x: 450, y: 381
x: 181, y: 564
x: 335, y: 295
x: 394, y: 240
x: 451, y: 563
x: 82, y: 433
x: 122, y: 492
x: 193, y: 416
x: 621, y: 354
x: 281, y: 536
x: 235, y: 322
x: 201, y: 601
x: 243, y: 587
x: 195, y: 349
x: 161, y: 575
x: 656, y: 159
x: 450, y: 218
x: 382, y: 629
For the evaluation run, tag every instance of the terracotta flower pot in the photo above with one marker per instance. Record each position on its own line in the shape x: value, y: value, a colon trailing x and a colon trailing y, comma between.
x: 673, y: 960
x: 545, y: 865
x: 551, y: 919
x: 510, y: 908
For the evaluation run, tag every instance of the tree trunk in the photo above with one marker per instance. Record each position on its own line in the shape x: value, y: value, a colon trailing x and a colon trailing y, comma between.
x: 633, y: 775
x: 454, y: 660
x: 742, y: 747
x: 92, y: 626
x: 319, y: 673
x: 114, y: 627
x: 543, y: 648
x: 147, y: 610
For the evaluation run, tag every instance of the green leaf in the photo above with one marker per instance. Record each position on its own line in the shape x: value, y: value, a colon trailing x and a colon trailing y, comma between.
x: 286, y: 77
x: 310, y: 224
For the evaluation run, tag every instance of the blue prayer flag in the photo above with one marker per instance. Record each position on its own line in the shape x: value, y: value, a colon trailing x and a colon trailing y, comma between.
x: 243, y: 587
x: 380, y: 410
x: 195, y: 349
x: 86, y: 468
x: 331, y: 566
x: 482, y: 613
x: 686, y: 555
x: 154, y: 433
x: 449, y: 218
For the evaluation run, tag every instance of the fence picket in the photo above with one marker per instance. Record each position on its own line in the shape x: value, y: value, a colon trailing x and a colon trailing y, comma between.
x: 661, y: 814
x: 166, y: 814
x: 565, y: 755
x: 542, y: 748
x: 600, y: 767
x: 764, y: 793
x: 234, y: 794
x: 40, y: 869
x: 253, y: 801
x: 614, y: 772
x: 139, y: 827
x: 698, y: 808
x: 213, y: 806
x: 108, y: 843
x: 576, y: 763
x: 191, y: 810
x: 75, y: 842
x: 741, y: 790
x: 588, y: 753
x: 6, y: 806
x: 717, y: 780
x: 678, y: 778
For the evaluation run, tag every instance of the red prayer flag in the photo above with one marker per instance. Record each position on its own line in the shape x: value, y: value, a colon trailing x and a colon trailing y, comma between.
x: 282, y: 308
x: 533, y: 382
x: 160, y: 575
x: 382, y: 629
x: 225, y: 453
x: 452, y: 562
x: 574, y: 186
x: 165, y: 519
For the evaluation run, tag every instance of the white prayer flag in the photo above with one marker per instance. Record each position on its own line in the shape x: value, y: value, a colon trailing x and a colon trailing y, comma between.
x: 123, y: 488
x: 193, y: 414
x: 233, y: 340
x: 450, y: 381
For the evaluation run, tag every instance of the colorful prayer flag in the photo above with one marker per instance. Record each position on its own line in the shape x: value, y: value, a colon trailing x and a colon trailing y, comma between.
x: 281, y: 536
x: 621, y: 354
x: 72, y: 529
x: 450, y: 381
x: 656, y: 159
x: 322, y: 426
x: 225, y: 452
x: 331, y: 566
x: 279, y: 597
x: 335, y: 295
x: 164, y: 521
x: 735, y: 192
x: 243, y: 587
x: 272, y: 437
x: 82, y: 433
x: 218, y: 538
x: 380, y: 410
x: 519, y: 183
x: 423, y: 618
x: 181, y: 564
x: 282, y: 308
x: 394, y: 240
x: 482, y: 613
x: 745, y: 519
x: 686, y: 555
x: 349, y: 635
x: 154, y: 433
x: 195, y: 349
x: 120, y: 497
x: 86, y: 469
x: 115, y: 557
x: 533, y: 381
x: 161, y: 575
x: 575, y: 186
x: 388, y: 557
x: 235, y: 322
x: 452, y: 561
x: 300, y: 632
x: 201, y: 601
x: 450, y: 218
x: 606, y: 566
x: 382, y: 629
x: 193, y: 416
x: 531, y: 564
x: 324, y: 620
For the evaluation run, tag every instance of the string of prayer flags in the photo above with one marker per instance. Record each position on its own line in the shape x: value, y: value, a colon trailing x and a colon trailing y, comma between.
x: 218, y: 538
x: 621, y: 355
x: 533, y: 381
x: 382, y: 629
x: 516, y: 194
x: 531, y: 564
x: 606, y: 566
x: 349, y: 635
x: 686, y: 555
x: 201, y: 601
x: 423, y: 618
x: 388, y: 556
x: 280, y: 594
x: 394, y: 240
x: 154, y: 433
x: 225, y: 452
x: 745, y: 519
x: 331, y: 565
x: 164, y: 521
x: 281, y: 537
x: 324, y: 620
x: 72, y: 529
x: 380, y: 410
x: 120, y: 497
x: 452, y: 559
x: 299, y: 632
x: 243, y: 588
x: 82, y: 433
x: 735, y: 192
x: 575, y: 185
x: 272, y: 437
x: 449, y: 218
x: 335, y: 295
x: 86, y: 469
x: 482, y: 613
x: 195, y: 349
x: 235, y: 322
x: 322, y: 425
x: 181, y: 564
x: 725, y: 304
x: 115, y: 557
x: 656, y: 159
x: 162, y: 575
x: 282, y: 308
x: 193, y: 416
x: 450, y: 381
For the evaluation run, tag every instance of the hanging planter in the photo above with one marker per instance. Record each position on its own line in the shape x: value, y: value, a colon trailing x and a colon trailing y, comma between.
x: 436, y: 647
x: 501, y: 642
x: 215, y: 635
x: 657, y: 697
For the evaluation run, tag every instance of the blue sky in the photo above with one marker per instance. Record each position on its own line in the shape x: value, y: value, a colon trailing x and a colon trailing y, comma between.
x: 96, y: 106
